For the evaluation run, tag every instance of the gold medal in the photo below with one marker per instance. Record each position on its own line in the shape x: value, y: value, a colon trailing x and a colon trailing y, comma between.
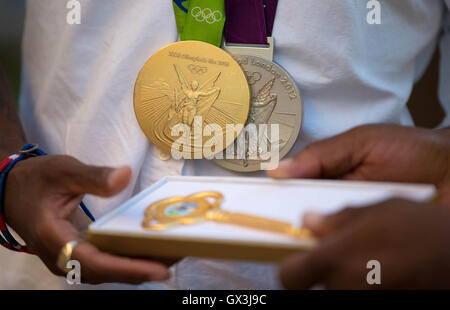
x: 205, y: 206
x: 190, y: 85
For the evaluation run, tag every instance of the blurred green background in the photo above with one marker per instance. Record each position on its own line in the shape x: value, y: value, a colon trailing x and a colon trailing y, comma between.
x: 12, y: 13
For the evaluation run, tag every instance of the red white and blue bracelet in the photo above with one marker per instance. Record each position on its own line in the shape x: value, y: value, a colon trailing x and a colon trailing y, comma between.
x: 6, y: 238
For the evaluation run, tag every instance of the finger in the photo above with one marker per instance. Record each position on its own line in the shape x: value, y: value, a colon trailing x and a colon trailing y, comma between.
x: 79, y: 178
x: 102, y: 181
x: 165, y: 260
x: 305, y: 164
x: 329, y: 158
x: 304, y: 270
x: 321, y: 225
x: 96, y: 266
x: 443, y: 196
x: 100, y: 267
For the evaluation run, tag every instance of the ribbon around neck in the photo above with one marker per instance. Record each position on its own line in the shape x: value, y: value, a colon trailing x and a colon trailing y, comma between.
x: 249, y: 21
x: 201, y: 20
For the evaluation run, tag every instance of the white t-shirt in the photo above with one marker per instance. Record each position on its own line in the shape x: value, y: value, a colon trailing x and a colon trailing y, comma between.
x: 77, y: 94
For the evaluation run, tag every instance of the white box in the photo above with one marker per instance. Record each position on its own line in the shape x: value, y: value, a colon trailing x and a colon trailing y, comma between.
x: 121, y: 232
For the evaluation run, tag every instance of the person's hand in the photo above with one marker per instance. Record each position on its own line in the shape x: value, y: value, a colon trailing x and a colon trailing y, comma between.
x: 43, y: 192
x: 410, y: 240
x: 376, y: 153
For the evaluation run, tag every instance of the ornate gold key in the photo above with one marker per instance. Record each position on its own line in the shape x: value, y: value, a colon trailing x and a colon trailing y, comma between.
x: 205, y: 206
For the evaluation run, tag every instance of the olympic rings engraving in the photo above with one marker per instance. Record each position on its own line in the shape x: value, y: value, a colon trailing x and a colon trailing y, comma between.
x: 206, y: 15
x: 252, y: 77
x: 196, y: 69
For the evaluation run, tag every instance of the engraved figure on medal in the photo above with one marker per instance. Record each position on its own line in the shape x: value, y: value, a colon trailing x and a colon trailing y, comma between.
x: 192, y: 84
x: 261, y: 108
x: 263, y: 104
x: 187, y: 100
x: 275, y: 100
x: 197, y: 99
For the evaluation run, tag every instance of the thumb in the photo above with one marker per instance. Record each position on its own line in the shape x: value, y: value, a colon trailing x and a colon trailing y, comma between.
x: 330, y: 158
x: 443, y: 196
x: 321, y: 225
x: 101, y: 181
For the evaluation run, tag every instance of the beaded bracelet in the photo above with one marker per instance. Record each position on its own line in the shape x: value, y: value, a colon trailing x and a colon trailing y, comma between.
x: 6, y: 238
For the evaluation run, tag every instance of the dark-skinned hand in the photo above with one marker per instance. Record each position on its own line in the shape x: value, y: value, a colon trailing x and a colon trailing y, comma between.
x: 41, y: 195
x: 410, y: 240
x: 376, y: 153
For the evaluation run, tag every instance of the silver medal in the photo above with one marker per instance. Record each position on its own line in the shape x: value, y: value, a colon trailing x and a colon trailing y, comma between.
x: 276, y: 101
